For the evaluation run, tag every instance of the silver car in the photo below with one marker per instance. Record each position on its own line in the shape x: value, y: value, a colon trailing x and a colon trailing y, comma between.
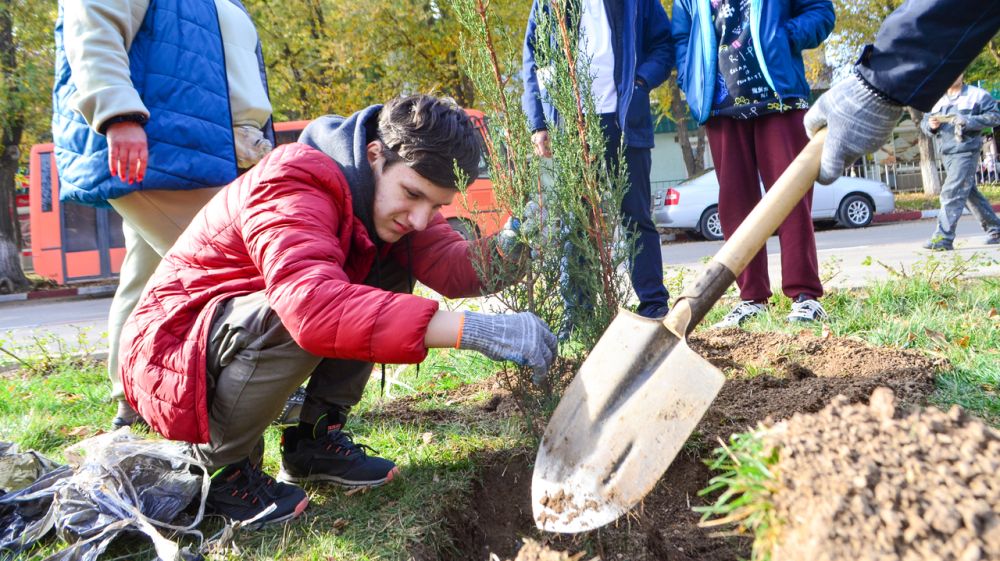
x: 694, y: 204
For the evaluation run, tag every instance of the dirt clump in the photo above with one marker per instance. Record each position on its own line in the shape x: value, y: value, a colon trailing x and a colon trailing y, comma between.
x: 534, y: 551
x: 860, y: 482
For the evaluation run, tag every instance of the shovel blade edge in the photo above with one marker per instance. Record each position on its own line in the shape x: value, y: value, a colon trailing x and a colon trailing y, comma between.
x: 619, y: 425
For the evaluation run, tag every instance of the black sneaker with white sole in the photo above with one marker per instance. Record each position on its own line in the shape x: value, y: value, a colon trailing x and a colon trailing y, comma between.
x: 242, y: 492
x: 327, y: 453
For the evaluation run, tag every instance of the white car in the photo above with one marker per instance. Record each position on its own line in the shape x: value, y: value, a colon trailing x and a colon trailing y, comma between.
x: 694, y: 204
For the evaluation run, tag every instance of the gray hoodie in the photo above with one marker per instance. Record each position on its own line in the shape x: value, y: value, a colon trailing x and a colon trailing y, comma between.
x: 345, y: 140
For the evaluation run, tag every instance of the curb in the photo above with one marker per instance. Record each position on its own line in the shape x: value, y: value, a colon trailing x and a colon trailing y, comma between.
x: 100, y: 290
x: 914, y: 215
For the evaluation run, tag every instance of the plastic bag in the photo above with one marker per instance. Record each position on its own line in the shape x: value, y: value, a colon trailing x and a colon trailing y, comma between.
x: 115, y: 482
x: 20, y: 469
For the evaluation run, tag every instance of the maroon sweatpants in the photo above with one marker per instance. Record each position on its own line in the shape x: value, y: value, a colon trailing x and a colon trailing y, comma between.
x: 766, y: 145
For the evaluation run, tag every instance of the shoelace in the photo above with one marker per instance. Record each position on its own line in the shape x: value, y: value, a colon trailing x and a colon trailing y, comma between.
x: 256, y: 485
x: 340, y: 440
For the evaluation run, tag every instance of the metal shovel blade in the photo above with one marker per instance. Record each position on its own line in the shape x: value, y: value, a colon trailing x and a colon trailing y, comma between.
x: 608, y: 443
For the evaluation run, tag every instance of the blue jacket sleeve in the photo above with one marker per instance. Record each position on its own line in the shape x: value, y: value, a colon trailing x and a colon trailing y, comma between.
x: 681, y: 30
x: 812, y: 22
x: 657, y: 48
x: 531, y: 101
x: 985, y: 114
x: 924, y: 45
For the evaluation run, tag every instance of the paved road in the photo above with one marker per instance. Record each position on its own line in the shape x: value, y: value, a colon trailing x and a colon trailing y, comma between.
x: 844, y: 252
x: 840, y: 251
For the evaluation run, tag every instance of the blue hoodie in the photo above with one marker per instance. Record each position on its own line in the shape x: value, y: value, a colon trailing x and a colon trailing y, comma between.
x: 781, y: 29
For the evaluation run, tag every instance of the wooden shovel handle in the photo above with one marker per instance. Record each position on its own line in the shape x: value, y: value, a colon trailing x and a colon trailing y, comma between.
x: 699, y: 296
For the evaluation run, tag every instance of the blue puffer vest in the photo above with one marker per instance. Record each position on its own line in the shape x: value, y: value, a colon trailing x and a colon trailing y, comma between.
x: 177, y: 64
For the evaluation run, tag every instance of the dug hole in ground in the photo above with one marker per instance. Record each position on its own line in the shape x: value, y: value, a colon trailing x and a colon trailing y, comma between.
x: 890, y: 480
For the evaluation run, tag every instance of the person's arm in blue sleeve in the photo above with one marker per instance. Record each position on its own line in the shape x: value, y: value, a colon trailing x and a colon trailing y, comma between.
x: 531, y: 99
x: 657, y: 47
x: 811, y: 23
x: 680, y: 28
x: 924, y: 45
x: 985, y: 115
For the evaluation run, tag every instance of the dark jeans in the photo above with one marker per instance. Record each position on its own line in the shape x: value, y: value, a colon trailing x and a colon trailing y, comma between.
x: 765, y: 146
x: 646, y: 267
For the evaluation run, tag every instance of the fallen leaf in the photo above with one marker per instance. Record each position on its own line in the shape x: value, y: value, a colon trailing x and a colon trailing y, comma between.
x: 427, y: 437
x: 339, y: 523
x: 963, y: 342
x: 827, y: 332
x: 936, y: 336
x: 993, y: 314
x: 943, y: 304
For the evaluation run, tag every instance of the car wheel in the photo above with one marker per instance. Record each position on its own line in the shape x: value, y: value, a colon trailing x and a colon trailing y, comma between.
x: 710, y: 226
x: 465, y: 228
x: 856, y: 211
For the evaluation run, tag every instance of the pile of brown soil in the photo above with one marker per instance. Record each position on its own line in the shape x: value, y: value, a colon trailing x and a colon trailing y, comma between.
x: 769, y: 376
x: 534, y: 551
x: 857, y: 482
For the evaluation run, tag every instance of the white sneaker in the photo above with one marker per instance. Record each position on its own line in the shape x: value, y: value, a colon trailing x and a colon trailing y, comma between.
x: 742, y: 312
x: 807, y: 310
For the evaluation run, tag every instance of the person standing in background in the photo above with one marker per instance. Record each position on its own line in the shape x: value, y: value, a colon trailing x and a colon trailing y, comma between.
x: 739, y: 63
x: 628, y: 45
x: 956, y: 122
x: 156, y: 105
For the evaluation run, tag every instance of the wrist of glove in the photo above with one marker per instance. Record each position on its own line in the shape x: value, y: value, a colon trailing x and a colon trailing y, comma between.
x: 521, y: 338
x: 858, y: 122
x: 251, y: 146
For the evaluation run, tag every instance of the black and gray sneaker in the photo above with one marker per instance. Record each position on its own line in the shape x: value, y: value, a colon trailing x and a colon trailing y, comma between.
x: 126, y: 416
x: 242, y: 492
x: 327, y: 453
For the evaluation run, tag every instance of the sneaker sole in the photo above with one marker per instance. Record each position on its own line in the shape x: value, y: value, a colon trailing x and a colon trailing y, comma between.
x: 296, y: 512
x: 286, y: 477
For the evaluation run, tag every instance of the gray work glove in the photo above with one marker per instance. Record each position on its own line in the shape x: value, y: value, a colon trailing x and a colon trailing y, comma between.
x: 858, y: 121
x: 521, y: 338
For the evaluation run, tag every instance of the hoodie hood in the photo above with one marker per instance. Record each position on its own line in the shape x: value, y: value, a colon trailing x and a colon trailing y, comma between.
x: 345, y: 140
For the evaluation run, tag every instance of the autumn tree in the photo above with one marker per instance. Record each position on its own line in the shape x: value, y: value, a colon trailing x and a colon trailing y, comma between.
x: 26, y: 58
x: 330, y: 56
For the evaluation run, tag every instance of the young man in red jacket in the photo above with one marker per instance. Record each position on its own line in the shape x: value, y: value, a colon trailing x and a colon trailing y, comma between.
x: 301, y: 269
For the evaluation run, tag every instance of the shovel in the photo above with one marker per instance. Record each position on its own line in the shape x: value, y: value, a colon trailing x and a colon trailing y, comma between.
x: 642, y: 390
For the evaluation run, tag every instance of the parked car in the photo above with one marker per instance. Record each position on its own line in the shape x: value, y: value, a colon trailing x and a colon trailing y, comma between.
x: 694, y: 204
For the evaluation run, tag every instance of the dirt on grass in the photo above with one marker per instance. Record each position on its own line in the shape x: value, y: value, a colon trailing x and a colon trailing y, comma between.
x: 770, y: 377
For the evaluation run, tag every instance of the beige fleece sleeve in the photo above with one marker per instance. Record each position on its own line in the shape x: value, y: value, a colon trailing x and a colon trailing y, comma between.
x: 97, y: 36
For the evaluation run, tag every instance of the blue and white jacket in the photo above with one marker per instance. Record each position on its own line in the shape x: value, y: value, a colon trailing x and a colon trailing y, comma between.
x: 177, y: 67
x: 781, y: 30
x: 643, y: 51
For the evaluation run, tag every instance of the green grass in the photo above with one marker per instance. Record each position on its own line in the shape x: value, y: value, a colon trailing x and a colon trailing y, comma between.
x: 920, y: 201
x: 58, y: 400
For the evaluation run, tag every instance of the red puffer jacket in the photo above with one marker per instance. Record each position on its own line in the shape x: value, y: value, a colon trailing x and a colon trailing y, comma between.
x: 287, y: 228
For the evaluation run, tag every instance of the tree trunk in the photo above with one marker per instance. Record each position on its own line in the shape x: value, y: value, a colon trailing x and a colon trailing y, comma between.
x: 11, y: 275
x: 694, y: 158
x: 928, y: 157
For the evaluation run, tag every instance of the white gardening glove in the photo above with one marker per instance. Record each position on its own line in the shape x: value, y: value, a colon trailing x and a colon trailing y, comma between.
x: 858, y: 122
x: 251, y: 146
x: 521, y: 338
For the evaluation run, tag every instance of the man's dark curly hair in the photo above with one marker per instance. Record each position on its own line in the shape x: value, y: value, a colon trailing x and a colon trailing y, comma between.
x: 430, y: 134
